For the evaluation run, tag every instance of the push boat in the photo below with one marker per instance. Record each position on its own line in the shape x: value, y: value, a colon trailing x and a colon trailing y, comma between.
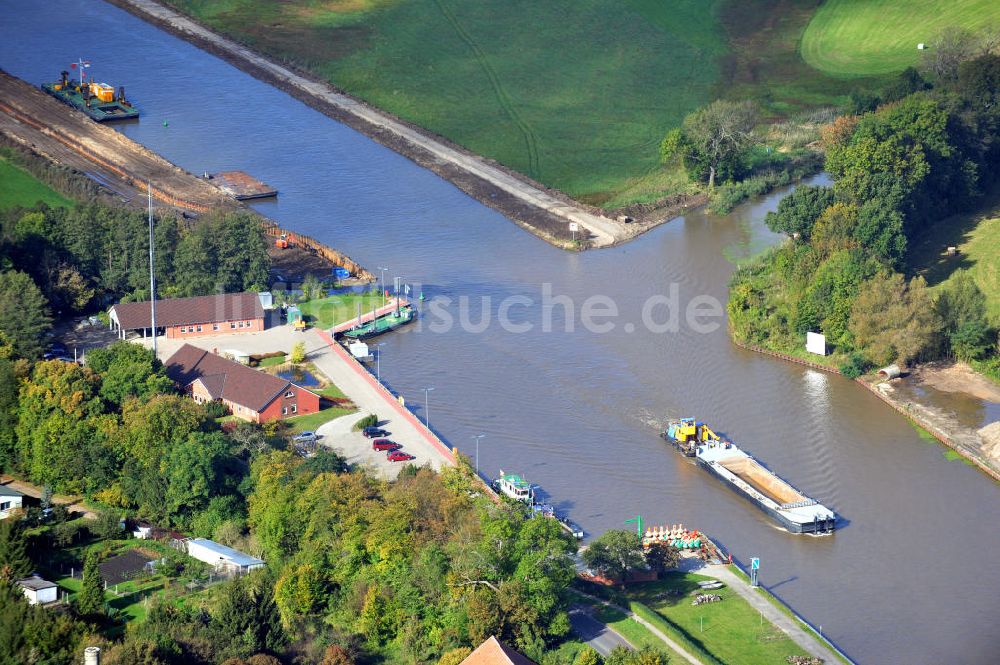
x: 97, y: 100
x: 795, y: 511
x: 517, y: 488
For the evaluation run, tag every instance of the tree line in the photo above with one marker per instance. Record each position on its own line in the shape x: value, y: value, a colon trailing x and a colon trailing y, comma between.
x: 57, y: 262
x: 898, y: 170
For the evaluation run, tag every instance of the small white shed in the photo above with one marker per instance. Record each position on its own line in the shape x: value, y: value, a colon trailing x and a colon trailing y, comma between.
x: 39, y: 591
x: 10, y: 500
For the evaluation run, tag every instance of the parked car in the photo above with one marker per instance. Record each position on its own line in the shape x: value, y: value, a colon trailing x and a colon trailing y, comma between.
x: 385, y: 444
x: 305, y: 437
x: 375, y: 432
x: 399, y: 456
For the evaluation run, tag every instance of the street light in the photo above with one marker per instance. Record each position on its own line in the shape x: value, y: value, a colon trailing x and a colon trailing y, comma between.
x: 477, y: 438
x: 383, y: 284
x: 427, y: 412
x: 378, y: 361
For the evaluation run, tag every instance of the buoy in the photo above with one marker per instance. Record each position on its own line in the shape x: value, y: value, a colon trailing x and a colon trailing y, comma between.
x: 165, y: 124
x: 421, y: 296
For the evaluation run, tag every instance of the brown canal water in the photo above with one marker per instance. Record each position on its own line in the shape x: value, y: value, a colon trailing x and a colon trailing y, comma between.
x: 911, y: 577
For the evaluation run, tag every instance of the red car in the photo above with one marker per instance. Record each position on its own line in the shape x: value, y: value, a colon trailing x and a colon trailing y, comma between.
x: 399, y: 456
x: 385, y: 444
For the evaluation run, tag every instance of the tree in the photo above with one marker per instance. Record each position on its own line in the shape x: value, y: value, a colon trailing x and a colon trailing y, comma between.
x: 798, y: 212
x: 298, y: 354
x: 892, y: 320
x: 243, y: 264
x: 14, y: 561
x: 614, y: 553
x: 337, y: 655
x: 662, y: 557
x: 951, y: 48
x: 452, y: 657
x: 191, y: 469
x: 247, y: 617
x: 107, y: 525
x: 24, y: 313
x: 90, y: 600
x: 32, y: 634
x: 128, y: 370
x: 8, y: 416
x: 713, y: 139
x: 588, y: 656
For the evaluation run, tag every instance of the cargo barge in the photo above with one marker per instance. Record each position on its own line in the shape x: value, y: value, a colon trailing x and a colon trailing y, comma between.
x: 97, y: 100
x: 795, y: 511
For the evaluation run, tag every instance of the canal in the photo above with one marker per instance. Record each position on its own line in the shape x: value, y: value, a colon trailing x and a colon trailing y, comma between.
x: 911, y: 577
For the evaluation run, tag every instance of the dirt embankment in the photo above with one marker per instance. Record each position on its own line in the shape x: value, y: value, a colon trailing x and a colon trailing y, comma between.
x: 42, y: 125
x: 545, y: 212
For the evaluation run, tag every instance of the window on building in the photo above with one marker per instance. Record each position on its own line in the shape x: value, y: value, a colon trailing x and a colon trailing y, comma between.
x: 290, y: 394
x: 5, y: 505
x: 295, y: 408
x: 215, y: 326
x: 199, y: 328
x: 284, y: 410
x: 232, y: 325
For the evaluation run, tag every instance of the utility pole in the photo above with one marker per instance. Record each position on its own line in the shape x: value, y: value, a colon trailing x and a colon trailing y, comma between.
x: 383, y: 283
x: 378, y: 361
x: 427, y: 411
x: 477, y: 438
x: 152, y: 274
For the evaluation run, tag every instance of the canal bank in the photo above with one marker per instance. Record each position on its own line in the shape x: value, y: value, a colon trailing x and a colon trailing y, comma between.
x: 548, y: 213
x: 578, y: 411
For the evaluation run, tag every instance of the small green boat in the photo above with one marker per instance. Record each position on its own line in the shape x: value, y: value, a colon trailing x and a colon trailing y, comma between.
x: 381, y: 325
x: 97, y: 100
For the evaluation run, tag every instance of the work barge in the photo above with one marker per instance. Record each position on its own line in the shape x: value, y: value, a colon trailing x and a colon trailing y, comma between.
x: 792, y: 509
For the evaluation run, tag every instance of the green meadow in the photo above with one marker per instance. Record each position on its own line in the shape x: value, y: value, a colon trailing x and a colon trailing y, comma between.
x: 20, y: 188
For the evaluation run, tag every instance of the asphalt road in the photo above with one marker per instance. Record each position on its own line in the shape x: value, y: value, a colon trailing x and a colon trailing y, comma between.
x: 595, y: 633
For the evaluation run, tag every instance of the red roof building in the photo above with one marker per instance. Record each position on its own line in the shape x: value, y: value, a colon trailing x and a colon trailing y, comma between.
x: 191, y: 317
x: 250, y: 394
x: 495, y: 652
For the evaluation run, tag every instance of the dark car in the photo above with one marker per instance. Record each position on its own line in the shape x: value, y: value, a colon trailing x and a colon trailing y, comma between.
x: 375, y: 432
x: 385, y: 444
x: 399, y: 456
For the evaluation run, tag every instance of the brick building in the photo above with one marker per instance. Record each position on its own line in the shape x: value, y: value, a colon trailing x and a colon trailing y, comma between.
x: 191, y: 317
x: 250, y: 394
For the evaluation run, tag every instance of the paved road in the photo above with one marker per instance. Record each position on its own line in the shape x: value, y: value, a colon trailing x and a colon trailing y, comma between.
x: 598, y: 635
x: 607, y: 231
x: 356, y: 383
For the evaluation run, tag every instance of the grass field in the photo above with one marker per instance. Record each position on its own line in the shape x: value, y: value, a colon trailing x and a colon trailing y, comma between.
x: 866, y: 37
x: 977, y: 237
x: 328, y: 312
x: 20, y: 188
x: 574, y: 93
x: 730, y: 631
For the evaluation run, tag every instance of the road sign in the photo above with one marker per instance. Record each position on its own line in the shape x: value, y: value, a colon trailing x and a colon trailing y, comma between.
x: 755, y: 563
x: 573, y: 226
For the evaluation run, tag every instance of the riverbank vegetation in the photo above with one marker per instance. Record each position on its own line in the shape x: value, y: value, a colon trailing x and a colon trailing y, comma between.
x: 846, y: 270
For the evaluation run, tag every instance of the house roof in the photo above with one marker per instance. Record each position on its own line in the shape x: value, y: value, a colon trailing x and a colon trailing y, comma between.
x: 194, y: 310
x: 228, y: 553
x: 36, y: 583
x: 9, y: 491
x: 225, y: 379
x: 495, y: 652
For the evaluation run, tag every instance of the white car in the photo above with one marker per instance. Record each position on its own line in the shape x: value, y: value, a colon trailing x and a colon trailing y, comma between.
x: 305, y: 437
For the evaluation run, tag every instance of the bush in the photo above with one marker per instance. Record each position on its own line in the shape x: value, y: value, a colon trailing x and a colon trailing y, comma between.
x: 371, y: 420
x: 855, y: 366
x: 216, y: 409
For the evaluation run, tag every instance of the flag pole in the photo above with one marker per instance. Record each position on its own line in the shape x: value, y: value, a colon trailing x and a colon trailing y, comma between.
x: 152, y: 274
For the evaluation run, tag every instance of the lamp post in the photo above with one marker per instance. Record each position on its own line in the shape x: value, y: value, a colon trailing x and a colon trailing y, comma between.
x: 477, y: 438
x: 427, y: 412
x: 378, y: 361
x: 383, y: 283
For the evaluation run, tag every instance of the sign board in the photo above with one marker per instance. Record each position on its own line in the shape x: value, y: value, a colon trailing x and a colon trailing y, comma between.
x: 816, y: 343
x: 574, y: 227
x: 755, y: 563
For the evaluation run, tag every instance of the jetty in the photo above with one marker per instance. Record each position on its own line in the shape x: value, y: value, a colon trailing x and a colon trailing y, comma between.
x: 242, y: 186
x: 367, y: 317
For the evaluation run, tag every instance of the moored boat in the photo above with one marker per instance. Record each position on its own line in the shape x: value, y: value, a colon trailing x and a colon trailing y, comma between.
x: 514, y: 486
x: 382, y: 324
x: 97, y: 100
x: 795, y: 511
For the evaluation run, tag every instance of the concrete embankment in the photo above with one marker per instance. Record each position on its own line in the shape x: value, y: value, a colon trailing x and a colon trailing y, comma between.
x: 38, y: 123
x: 544, y: 212
x: 965, y: 441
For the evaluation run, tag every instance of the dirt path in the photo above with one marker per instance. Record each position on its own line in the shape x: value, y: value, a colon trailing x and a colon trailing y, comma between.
x: 957, y: 378
x: 72, y: 503
x: 544, y: 212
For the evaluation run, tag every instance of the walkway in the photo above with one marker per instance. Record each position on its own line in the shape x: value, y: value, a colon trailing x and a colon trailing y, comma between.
x: 368, y: 316
x: 606, y: 231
